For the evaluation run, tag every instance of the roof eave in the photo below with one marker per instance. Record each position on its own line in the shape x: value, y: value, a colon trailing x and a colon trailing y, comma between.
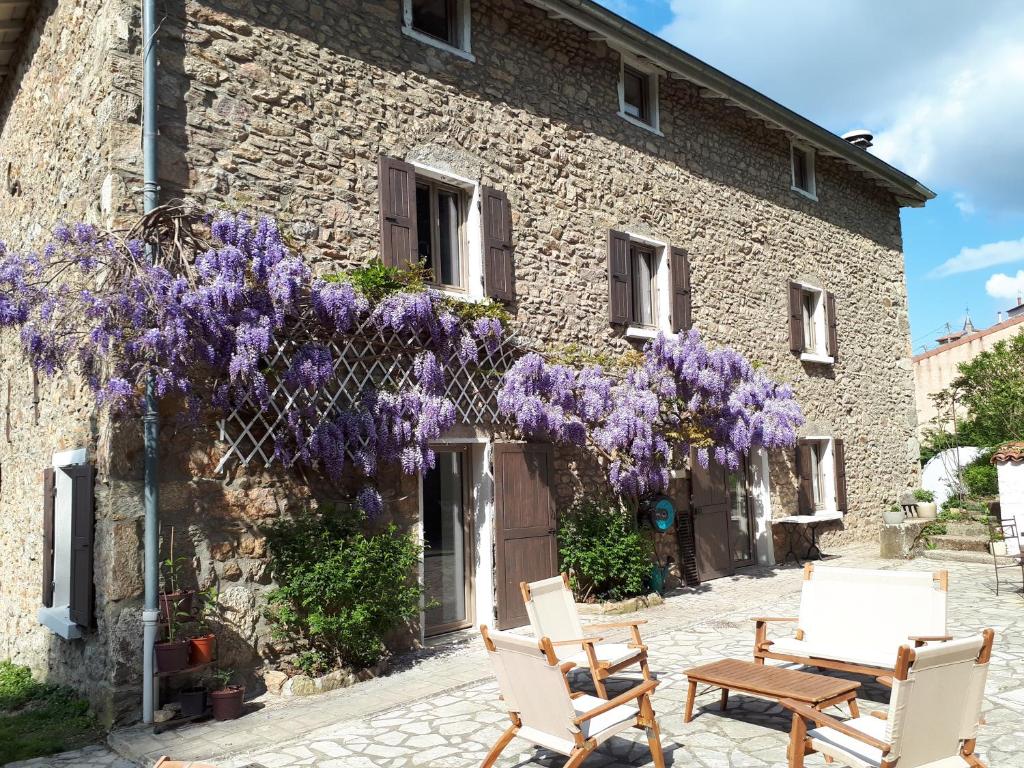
x: 621, y: 34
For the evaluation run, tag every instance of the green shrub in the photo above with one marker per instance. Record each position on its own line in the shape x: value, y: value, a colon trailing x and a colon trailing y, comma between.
x: 608, y: 555
x: 920, y: 494
x: 980, y: 476
x: 341, y: 591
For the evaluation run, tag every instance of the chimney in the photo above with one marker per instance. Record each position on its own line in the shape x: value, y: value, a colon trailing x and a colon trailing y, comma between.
x: 999, y: 316
x: 859, y: 137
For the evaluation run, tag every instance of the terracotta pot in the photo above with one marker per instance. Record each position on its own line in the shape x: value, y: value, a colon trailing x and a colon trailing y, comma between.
x: 171, y: 656
x: 179, y: 602
x: 201, y: 649
x: 193, y: 701
x: 227, y: 702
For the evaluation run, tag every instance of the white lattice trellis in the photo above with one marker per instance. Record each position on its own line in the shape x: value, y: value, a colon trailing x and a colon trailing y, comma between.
x: 366, y: 357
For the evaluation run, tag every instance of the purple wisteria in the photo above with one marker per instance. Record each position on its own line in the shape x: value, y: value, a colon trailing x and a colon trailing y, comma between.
x: 682, y: 396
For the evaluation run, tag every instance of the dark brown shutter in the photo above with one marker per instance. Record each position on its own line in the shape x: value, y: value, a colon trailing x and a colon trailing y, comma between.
x: 620, y: 292
x: 681, y: 305
x: 804, y: 467
x: 796, y: 318
x: 397, y: 185
x: 839, y: 454
x: 497, y: 224
x: 49, y: 492
x: 81, y: 587
x: 830, y: 316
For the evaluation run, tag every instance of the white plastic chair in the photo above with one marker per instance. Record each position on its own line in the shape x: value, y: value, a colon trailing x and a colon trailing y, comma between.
x: 552, y: 611
x: 933, y: 718
x: 544, y: 712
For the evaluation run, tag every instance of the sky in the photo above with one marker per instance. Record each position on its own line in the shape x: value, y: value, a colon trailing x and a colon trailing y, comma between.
x: 940, y: 83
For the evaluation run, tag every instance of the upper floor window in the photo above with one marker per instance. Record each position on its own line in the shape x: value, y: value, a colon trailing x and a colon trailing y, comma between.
x: 812, y: 323
x: 442, y: 23
x: 644, y: 268
x: 648, y: 286
x: 440, y: 232
x: 802, y: 160
x: 638, y: 94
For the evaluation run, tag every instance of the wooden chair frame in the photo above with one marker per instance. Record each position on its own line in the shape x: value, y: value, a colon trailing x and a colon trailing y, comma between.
x: 602, y: 670
x: 800, y: 743
x: 762, y: 645
x: 645, y: 719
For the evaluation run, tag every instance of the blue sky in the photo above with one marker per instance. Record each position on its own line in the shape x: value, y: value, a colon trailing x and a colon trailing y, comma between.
x: 941, y: 85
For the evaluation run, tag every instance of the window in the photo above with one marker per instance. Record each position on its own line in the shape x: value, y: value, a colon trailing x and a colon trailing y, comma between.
x: 812, y: 323
x: 817, y: 477
x: 643, y: 265
x: 441, y: 23
x: 440, y: 229
x: 803, y: 171
x: 638, y: 95
x: 809, y: 300
x: 821, y: 470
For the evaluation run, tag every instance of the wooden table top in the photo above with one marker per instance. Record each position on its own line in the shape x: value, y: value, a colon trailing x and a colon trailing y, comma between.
x: 776, y: 682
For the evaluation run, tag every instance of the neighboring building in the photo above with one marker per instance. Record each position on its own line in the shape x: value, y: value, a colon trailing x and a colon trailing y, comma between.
x: 936, y: 369
x: 624, y: 187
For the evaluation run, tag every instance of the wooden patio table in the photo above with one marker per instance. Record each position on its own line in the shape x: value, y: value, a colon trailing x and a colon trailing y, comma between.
x: 818, y: 691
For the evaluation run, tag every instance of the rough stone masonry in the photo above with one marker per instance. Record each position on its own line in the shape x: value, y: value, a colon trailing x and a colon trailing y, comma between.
x: 283, y: 107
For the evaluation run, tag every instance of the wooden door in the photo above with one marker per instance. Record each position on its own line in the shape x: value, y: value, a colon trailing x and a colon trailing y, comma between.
x: 709, y: 501
x: 524, y: 523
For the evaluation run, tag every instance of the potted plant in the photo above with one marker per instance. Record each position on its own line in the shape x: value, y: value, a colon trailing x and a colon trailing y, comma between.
x: 192, y: 701
x: 172, y: 653
x: 226, y: 699
x: 926, y: 506
x: 173, y: 599
x: 202, y: 643
x: 893, y: 515
x: 997, y: 544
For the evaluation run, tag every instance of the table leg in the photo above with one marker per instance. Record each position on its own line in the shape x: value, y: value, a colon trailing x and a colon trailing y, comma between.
x: 690, y: 694
x: 724, y: 703
x: 854, y: 709
x: 814, y: 543
x: 789, y: 542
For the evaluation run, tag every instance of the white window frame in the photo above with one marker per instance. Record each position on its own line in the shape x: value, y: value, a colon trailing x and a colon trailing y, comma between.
x: 662, y: 289
x: 652, y: 73
x: 474, y: 269
x: 820, y: 353
x: 812, y: 192
x: 827, y: 461
x: 57, y: 618
x: 463, y: 50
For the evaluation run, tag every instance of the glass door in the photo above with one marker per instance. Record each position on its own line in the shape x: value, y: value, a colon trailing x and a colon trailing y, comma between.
x: 447, y: 539
x: 741, y: 529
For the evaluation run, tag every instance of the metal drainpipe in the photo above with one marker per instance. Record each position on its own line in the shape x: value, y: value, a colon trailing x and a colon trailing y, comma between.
x: 150, y: 418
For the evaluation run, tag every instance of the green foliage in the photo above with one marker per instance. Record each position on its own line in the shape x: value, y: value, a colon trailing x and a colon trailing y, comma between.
x: 313, y: 663
x: 609, y: 557
x: 992, y: 387
x: 38, y: 719
x: 980, y: 476
x: 342, y: 591
x: 920, y: 494
x: 470, y: 311
x: 223, y: 678
x: 578, y: 357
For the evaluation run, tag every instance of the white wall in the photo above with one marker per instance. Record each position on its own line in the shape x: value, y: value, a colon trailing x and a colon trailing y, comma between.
x: 1011, y: 495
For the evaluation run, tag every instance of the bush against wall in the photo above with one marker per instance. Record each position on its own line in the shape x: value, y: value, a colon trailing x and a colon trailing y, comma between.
x: 981, y: 477
x: 342, y: 590
x: 607, y: 555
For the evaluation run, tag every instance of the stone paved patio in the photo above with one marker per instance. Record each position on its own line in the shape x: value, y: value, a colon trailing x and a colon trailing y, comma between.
x: 444, y: 712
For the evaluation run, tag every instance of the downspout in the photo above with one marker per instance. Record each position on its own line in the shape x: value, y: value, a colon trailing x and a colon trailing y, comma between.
x: 150, y: 418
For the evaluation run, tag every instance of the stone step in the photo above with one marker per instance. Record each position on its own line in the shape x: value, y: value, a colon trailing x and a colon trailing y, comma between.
x: 950, y: 555
x: 960, y: 543
x: 967, y: 529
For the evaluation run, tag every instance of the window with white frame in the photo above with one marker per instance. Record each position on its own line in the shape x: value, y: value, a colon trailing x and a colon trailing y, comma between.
x: 802, y: 162
x: 643, y: 265
x: 441, y: 232
x: 813, y: 337
x: 817, y: 475
x: 442, y: 23
x: 638, y: 94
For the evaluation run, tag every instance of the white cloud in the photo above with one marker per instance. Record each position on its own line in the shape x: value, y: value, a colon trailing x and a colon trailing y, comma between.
x: 964, y: 203
x: 982, y: 257
x: 941, y: 82
x: 1001, y: 286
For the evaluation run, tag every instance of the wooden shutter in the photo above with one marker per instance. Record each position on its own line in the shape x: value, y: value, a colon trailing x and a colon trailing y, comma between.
x: 81, y: 587
x: 497, y: 225
x: 49, y: 498
x: 839, y: 455
x: 620, y: 290
x: 796, y: 318
x: 681, y: 305
x: 804, y: 467
x: 396, y: 182
x: 830, y: 316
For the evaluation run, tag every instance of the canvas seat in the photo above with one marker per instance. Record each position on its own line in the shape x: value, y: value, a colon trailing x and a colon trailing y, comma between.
x: 872, y: 657
x: 546, y: 713
x: 553, y: 614
x: 932, y: 721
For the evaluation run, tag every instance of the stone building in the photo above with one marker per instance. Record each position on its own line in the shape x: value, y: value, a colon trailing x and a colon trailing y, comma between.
x: 601, y: 182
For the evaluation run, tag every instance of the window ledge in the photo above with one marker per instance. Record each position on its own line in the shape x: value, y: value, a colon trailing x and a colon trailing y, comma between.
x: 640, y: 123
x: 641, y: 332
x: 804, y: 193
x: 816, y: 357
x: 423, y: 38
x: 57, y: 621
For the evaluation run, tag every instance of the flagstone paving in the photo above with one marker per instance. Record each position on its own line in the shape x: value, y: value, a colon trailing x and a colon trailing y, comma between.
x: 445, y: 712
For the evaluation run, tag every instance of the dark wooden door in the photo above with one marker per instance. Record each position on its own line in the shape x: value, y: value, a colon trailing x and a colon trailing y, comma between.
x: 709, y: 500
x: 525, y: 547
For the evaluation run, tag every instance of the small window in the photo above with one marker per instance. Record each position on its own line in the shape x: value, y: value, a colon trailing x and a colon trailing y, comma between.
x: 817, y: 474
x: 803, y: 170
x: 440, y: 230
x: 442, y: 23
x: 638, y: 96
x: 809, y: 304
x: 643, y: 265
